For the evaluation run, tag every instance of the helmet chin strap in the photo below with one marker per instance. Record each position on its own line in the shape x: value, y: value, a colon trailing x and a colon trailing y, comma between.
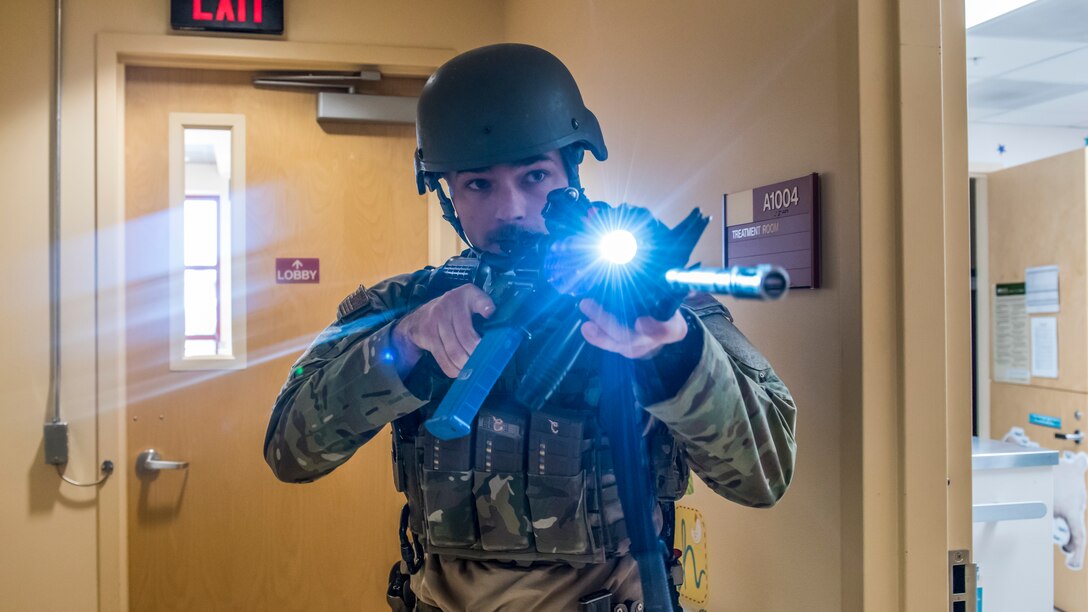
x: 449, y: 213
x: 572, y: 156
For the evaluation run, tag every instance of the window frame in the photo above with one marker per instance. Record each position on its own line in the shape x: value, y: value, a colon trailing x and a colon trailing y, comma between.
x: 232, y: 258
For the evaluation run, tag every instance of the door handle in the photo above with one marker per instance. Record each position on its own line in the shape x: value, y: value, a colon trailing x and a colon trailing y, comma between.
x: 1076, y: 437
x: 148, y: 462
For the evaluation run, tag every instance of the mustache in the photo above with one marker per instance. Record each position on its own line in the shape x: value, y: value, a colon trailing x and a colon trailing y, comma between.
x: 511, y: 238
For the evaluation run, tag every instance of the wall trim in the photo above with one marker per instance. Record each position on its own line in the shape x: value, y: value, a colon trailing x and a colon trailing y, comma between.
x: 913, y: 429
x: 113, y: 52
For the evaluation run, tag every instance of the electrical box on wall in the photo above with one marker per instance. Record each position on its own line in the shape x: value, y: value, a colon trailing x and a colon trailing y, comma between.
x: 776, y: 224
x: 56, y: 443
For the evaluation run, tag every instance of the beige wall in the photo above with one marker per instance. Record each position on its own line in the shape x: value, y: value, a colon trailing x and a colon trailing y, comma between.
x: 48, y: 555
x: 697, y: 99
x: 700, y: 99
x: 53, y: 525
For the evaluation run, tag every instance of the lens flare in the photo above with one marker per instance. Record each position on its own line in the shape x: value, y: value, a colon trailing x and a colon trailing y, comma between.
x: 618, y: 247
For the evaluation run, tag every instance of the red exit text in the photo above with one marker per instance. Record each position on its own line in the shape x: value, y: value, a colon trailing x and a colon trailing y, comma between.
x: 261, y: 17
x: 228, y: 10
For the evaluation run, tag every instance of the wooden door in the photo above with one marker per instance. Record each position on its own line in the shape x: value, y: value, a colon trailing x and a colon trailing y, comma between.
x: 1055, y: 411
x: 225, y: 534
x: 1037, y: 214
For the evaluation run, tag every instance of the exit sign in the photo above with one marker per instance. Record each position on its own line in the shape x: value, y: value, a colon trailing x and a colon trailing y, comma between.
x: 237, y: 16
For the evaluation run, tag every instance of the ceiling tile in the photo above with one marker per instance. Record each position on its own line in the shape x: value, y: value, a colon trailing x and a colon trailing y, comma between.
x: 1051, y: 20
x: 1040, y: 118
x: 1010, y: 94
x: 991, y: 57
x: 1075, y: 103
x: 1068, y: 68
x: 977, y: 113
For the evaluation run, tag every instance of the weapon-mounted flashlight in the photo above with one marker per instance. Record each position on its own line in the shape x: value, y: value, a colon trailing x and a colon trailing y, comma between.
x: 618, y: 247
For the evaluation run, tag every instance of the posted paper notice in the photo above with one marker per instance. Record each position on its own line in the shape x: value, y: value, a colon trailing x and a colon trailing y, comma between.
x: 1044, y: 347
x: 1012, y: 356
x: 1042, y: 288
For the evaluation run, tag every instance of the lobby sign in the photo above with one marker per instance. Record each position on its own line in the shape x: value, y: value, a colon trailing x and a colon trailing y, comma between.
x: 293, y: 270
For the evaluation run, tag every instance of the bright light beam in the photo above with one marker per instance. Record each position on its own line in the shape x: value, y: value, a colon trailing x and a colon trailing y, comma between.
x: 618, y: 247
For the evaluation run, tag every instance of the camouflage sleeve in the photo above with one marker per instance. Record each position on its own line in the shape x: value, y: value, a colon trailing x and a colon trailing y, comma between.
x: 734, y: 416
x: 343, y: 389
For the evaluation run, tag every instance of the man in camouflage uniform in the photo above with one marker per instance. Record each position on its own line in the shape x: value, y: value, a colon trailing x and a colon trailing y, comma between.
x: 506, y: 527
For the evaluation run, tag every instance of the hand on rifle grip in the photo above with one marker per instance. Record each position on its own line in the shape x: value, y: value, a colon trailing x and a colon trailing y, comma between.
x: 445, y: 327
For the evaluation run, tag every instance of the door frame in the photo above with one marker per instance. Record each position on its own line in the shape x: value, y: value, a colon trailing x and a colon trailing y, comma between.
x: 113, y: 53
x: 935, y: 291
x: 905, y: 502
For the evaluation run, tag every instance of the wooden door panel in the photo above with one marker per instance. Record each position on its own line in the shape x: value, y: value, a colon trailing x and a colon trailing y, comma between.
x: 1038, y: 214
x: 225, y: 534
x: 1012, y: 406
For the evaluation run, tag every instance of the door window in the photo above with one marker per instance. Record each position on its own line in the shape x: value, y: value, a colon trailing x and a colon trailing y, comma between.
x: 207, y: 242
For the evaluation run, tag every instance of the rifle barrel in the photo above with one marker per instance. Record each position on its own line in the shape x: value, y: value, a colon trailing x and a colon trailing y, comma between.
x: 762, y: 282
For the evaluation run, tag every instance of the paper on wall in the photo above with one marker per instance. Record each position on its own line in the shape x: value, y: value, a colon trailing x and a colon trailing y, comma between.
x: 1044, y: 347
x: 1012, y: 357
x: 1042, y: 288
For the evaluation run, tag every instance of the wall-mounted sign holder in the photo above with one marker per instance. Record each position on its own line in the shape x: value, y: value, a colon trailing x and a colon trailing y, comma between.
x: 776, y: 224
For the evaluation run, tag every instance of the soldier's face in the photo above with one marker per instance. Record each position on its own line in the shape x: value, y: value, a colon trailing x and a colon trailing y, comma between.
x: 501, y: 205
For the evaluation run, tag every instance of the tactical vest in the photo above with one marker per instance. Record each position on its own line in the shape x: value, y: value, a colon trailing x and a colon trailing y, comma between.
x: 526, y: 486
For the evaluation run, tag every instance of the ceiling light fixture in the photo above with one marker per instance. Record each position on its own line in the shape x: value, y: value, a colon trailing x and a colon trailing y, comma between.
x: 980, y: 11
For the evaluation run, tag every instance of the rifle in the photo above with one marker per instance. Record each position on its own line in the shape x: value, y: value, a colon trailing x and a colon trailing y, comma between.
x: 633, y: 265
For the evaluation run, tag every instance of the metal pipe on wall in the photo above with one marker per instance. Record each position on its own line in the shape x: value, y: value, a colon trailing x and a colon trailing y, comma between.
x: 54, y: 229
x: 56, y: 431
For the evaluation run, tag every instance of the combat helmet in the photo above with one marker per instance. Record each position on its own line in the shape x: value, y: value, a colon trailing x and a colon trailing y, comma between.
x: 497, y: 104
